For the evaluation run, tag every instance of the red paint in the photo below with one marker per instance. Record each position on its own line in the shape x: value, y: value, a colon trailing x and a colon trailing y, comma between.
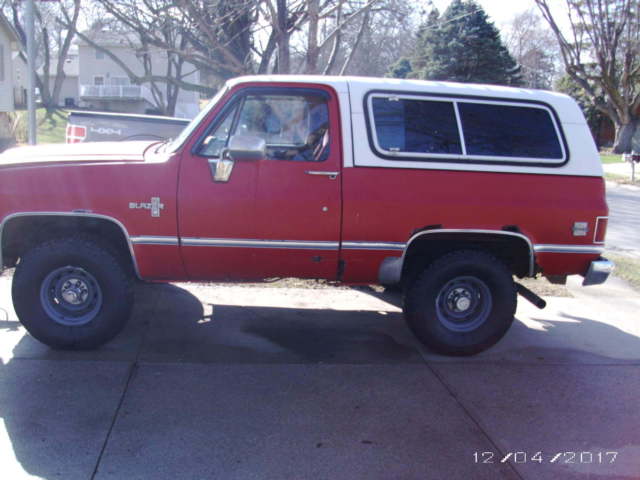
x: 277, y: 200
x: 263, y: 199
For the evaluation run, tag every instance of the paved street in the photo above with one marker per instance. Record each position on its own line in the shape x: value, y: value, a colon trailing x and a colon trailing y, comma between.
x: 623, y: 232
x: 276, y: 383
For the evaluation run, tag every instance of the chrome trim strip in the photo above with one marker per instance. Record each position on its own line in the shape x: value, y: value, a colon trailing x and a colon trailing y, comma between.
x: 154, y: 240
x: 595, y: 229
x: 254, y: 243
x: 552, y: 248
x: 72, y: 214
x: 492, y: 232
x: 396, y: 246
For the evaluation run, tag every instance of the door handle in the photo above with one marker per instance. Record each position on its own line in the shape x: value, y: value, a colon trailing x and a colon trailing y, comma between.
x: 331, y: 175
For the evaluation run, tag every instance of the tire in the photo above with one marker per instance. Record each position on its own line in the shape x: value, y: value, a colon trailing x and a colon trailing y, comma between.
x: 72, y: 293
x: 462, y: 304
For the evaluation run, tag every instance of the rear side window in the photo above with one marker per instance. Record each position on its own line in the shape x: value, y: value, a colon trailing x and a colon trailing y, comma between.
x: 419, y: 126
x: 508, y: 131
x: 463, y: 130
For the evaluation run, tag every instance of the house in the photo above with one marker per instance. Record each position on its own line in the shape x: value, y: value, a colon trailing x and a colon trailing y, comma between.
x: 20, y: 72
x: 9, y: 42
x: 69, y: 95
x: 105, y: 85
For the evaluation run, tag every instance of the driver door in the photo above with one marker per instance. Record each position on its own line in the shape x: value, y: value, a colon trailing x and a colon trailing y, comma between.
x: 275, y: 216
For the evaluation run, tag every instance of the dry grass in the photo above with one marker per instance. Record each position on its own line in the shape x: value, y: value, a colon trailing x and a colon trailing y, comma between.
x: 627, y: 268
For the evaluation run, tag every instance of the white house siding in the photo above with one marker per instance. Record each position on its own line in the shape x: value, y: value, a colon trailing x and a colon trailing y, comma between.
x: 91, y: 67
x: 19, y: 67
x: 69, y: 89
x: 6, y: 76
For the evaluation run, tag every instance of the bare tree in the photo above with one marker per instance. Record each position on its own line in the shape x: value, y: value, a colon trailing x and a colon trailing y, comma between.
x: 533, y: 45
x: 212, y: 35
x: 54, y: 42
x: 371, y: 46
x: 601, y: 52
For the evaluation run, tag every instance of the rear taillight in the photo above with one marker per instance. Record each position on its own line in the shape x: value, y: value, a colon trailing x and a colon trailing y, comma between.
x: 76, y: 133
x: 601, y: 229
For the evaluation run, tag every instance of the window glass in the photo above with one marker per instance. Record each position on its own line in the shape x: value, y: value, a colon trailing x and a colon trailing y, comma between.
x: 218, y: 138
x: 295, y: 127
x: 419, y: 126
x: 508, y: 131
x: 120, y: 81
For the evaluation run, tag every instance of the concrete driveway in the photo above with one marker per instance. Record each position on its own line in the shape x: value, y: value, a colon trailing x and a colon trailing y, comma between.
x: 282, y: 383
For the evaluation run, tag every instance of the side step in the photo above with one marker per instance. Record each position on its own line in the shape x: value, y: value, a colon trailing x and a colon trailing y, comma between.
x: 529, y: 295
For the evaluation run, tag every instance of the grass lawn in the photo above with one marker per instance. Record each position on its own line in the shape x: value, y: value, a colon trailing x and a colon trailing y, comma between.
x: 610, y: 157
x: 623, y: 179
x: 627, y: 268
x: 50, y: 130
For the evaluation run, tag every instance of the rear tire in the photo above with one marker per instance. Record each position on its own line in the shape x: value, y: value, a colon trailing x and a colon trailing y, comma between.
x: 72, y: 293
x: 462, y: 304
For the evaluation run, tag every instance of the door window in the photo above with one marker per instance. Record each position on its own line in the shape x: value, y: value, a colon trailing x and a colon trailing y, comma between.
x: 295, y: 127
x: 217, y: 139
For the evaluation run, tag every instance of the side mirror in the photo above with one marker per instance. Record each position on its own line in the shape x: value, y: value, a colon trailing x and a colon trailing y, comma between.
x: 240, y: 147
x: 246, y: 147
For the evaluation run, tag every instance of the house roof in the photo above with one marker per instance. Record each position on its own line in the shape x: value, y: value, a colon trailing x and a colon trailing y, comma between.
x: 71, y: 66
x: 108, y: 38
x: 6, y: 24
x: 19, y: 54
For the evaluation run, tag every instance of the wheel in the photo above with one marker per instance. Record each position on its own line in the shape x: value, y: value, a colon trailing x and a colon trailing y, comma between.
x: 462, y: 304
x: 72, y: 293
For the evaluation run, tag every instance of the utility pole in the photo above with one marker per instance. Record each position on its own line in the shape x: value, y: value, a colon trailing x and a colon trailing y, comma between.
x: 31, y: 67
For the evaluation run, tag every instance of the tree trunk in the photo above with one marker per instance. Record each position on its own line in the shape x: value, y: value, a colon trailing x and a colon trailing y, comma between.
x: 624, y: 135
x: 312, y: 43
x: 283, y: 37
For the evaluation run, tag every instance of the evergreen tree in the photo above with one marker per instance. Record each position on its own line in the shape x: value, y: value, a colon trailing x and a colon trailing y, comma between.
x: 400, y: 69
x: 463, y: 45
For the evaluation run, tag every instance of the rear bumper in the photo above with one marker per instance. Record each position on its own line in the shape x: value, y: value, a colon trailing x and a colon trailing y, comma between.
x: 598, y: 272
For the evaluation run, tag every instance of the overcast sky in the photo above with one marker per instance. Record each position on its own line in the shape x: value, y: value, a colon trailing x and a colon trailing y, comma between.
x: 501, y: 12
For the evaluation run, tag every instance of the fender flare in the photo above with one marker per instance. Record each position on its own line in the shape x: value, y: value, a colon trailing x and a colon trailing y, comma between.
x: 113, y: 220
x: 390, y: 271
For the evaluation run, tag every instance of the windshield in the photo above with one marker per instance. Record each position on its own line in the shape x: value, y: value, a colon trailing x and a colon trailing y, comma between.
x: 188, y: 130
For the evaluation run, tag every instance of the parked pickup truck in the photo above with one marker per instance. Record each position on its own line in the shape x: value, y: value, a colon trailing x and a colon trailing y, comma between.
x: 83, y: 126
x: 448, y: 190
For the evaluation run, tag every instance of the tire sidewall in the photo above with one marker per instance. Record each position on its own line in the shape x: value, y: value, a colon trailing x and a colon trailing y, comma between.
x: 421, y: 309
x: 99, y: 262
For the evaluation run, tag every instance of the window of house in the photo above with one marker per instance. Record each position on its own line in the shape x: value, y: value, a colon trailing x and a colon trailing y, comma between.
x: 457, y: 130
x: 98, y: 80
x: 119, y: 81
x: 295, y: 127
x: 99, y: 54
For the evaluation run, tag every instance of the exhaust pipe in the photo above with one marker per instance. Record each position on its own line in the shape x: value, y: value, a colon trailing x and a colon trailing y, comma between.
x: 529, y: 295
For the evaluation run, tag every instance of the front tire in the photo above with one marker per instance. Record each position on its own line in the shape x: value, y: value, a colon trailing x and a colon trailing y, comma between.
x: 462, y: 304
x: 72, y: 293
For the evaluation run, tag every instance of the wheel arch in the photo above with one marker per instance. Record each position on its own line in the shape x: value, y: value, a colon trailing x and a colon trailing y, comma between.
x: 21, y: 230
x: 514, y: 248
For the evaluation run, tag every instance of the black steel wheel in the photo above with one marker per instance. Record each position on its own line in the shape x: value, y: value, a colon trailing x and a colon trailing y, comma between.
x: 462, y: 304
x: 72, y: 293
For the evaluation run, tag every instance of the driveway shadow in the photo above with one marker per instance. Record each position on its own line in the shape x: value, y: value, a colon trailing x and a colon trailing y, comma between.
x: 56, y: 408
